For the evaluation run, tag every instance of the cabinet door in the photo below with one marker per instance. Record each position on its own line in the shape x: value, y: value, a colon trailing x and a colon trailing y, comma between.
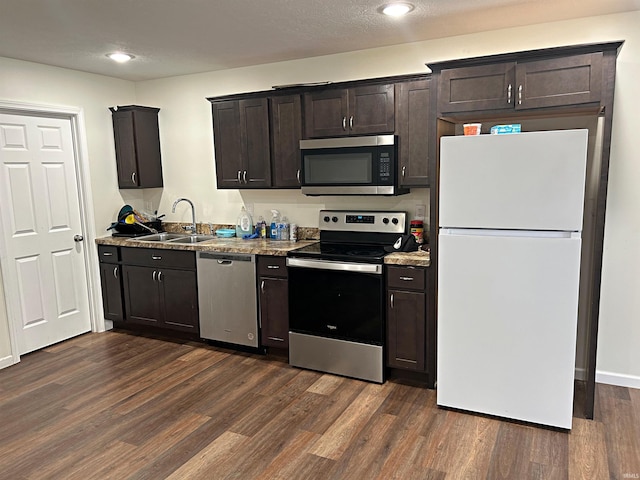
x: 483, y: 87
x: 141, y: 295
x: 371, y: 109
x: 254, y: 131
x: 179, y: 294
x: 110, y: 280
x: 557, y: 82
x: 325, y: 113
x: 125, y: 149
x: 406, y: 330
x: 286, y: 132
x: 413, y: 119
x: 147, y: 143
x: 227, y: 143
x: 274, y: 312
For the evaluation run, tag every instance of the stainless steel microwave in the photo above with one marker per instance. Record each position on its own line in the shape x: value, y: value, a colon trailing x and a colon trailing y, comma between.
x: 350, y: 166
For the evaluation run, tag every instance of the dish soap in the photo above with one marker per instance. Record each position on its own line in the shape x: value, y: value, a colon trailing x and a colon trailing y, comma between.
x: 244, y: 225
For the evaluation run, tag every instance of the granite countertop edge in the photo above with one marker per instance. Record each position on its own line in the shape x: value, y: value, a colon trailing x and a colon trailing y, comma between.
x: 278, y: 248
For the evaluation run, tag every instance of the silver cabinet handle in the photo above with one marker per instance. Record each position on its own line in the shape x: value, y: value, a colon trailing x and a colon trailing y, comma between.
x: 115, y: 272
x: 298, y: 175
x: 107, y: 254
x: 344, y: 123
x: 509, y: 94
x: 133, y: 178
x: 404, y: 170
x: 392, y: 305
x: 277, y: 339
x: 156, y: 257
x: 244, y: 176
x: 238, y: 177
x: 159, y: 276
x: 153, y: 275
x: 273, y: 267
x: 520, y: 95
x: 351, y: 122
x: 262, y: 286
x: 407, y: 279
x: 78, y: 238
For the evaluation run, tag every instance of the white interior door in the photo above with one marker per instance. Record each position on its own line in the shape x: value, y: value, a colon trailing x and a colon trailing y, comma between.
x: 43, y: 266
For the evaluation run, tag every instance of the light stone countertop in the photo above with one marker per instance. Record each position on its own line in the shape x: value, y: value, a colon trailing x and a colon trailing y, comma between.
x: 256, y: 247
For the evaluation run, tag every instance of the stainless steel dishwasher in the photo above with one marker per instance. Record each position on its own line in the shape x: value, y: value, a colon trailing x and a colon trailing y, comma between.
x: 227, y: 298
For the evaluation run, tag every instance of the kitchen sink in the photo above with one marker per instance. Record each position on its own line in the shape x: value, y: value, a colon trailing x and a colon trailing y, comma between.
x: 192, y: 239
x: 160, y: 237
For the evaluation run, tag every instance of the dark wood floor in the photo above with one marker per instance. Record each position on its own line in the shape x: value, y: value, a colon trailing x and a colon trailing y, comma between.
x: 116, y: 406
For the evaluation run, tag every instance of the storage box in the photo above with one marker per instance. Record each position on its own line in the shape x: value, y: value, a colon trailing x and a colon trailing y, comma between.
x: 500, y: 129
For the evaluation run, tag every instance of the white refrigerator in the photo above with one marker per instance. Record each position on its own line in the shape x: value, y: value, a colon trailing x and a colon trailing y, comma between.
x: 508, y: 273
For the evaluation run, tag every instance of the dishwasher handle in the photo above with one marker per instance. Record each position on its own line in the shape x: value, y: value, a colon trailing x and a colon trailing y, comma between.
x: 226, y: 258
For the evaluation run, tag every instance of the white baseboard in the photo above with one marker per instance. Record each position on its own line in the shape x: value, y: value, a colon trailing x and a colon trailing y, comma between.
x: 7, y: 361
x: 618, y: 379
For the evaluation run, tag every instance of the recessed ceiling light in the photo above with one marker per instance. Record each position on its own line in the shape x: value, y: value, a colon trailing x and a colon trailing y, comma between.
x: 120, y: 57
x: 396, y: 9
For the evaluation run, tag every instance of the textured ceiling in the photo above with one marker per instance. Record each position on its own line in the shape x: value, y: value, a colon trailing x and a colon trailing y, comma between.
x: 178, y: 37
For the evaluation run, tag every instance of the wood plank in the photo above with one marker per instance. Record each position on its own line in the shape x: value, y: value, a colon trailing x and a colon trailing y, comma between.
x: 204, y: 464
x: 587, y: 450
x: 335, y: 441
x: 511, y: 452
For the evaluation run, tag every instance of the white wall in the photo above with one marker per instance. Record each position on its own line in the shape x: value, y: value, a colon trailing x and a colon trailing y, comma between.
x: 187, y: 149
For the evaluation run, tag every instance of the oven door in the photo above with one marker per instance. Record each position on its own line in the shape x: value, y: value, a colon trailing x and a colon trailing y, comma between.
x: 338, y: 300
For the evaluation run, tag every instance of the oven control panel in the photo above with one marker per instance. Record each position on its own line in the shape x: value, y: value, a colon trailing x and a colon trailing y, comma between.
x: 364, y: 221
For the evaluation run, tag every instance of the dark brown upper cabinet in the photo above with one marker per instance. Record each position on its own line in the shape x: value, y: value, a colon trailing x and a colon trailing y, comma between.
x: 137, y: 141
x: 413, y: 119
x: 362, y: 110
x: 241, y: 142
x: 522, y: 84
x: 286, y: 132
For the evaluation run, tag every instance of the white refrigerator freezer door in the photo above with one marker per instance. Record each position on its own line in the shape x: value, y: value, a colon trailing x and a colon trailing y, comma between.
x: 507, y: 318
x: 530, y: 181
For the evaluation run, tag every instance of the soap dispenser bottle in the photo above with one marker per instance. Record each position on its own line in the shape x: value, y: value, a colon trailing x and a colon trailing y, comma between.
x: 244, y: 225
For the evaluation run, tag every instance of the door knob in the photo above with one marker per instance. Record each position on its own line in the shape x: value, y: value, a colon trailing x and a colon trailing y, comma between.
x: 78, y: 238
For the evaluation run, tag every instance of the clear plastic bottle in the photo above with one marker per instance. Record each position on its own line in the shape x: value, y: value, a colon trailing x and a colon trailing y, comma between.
x: 275, y: 219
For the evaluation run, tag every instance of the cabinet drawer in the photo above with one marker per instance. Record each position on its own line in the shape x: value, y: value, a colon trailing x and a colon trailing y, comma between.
x: 159, y: 258
x: 406, y: 278
x: 108, y: 254
x: 271, y: 266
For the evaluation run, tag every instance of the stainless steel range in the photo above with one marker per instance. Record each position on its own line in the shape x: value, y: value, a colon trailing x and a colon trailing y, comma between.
x: 336, y: 294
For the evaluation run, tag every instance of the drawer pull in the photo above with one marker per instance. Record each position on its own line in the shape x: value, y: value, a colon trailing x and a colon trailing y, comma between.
x: 107, y: 254
x: 407, y: 279
x: 156, y: 257
x: 276, y: 339
x: 273, y: 267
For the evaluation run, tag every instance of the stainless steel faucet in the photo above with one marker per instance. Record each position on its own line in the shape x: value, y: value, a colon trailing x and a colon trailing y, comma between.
x: 189, y: 228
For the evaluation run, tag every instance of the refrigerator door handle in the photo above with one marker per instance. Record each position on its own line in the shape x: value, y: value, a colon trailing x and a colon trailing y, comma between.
x: 481, y: 232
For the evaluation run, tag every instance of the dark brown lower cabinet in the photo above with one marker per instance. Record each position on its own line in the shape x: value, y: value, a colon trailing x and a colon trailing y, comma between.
x: 111, y: 282
x: 160, y: 289
x: 273, y: 288
x: 406, y: 318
